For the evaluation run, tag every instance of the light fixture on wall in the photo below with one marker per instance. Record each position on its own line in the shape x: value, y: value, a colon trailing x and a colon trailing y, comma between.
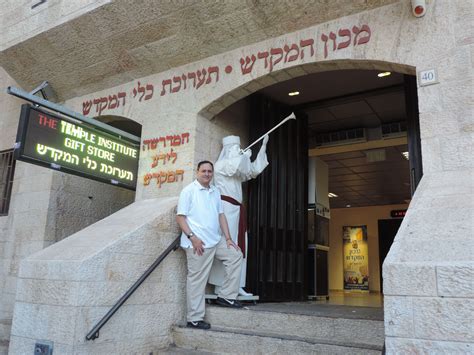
x: 406, y: 155
x: 383, y: 74
x: 348, y: 206
x: 332, y: 195
x: 293, y: 93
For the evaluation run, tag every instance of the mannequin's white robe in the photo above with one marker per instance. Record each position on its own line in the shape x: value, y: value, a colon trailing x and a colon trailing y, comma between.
x: 229, y: 174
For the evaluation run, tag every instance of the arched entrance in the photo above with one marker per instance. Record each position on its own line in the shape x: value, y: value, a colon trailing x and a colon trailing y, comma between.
x: 356, y: 125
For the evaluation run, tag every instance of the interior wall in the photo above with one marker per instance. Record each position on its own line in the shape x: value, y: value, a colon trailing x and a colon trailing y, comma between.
x: 356, y: 216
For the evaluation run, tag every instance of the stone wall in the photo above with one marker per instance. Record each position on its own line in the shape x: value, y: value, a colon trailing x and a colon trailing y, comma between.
x: 46, y: 206
x: 64, y: 290
x: 429, y: 272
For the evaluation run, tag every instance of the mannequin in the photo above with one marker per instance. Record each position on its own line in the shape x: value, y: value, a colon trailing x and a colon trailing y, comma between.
x: 232, y: 168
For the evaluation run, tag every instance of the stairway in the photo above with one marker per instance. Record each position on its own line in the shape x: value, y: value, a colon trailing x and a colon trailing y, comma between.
x: 286, y: 328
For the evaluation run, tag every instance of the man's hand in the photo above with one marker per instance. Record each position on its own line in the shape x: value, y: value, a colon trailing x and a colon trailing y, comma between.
x: 230, y: 243
x: 198, y: 245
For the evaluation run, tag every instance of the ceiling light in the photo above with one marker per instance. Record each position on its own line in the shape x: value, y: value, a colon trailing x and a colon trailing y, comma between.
x: 375, y: 155
x: 405, y: 155
x: 385, y: 73
x: 293, y: 93
x: 332, y: 195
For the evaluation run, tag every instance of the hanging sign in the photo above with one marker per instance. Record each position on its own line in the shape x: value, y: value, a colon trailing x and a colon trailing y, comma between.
x: 73, y: 147
x: 398, y: 213
x: 356, y: 258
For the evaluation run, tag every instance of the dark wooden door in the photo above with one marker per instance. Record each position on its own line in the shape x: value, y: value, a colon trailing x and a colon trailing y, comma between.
x: 388, y: 229
x: 413, y: 130
x: 277, y: 206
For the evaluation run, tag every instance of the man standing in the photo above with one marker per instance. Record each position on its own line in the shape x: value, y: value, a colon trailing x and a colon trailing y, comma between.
x: 201, y: 218
x: 232, y: 169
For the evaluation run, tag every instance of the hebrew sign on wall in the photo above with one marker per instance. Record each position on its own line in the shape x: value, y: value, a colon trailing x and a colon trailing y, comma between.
x: 271, y: 58
x: 48, y: 140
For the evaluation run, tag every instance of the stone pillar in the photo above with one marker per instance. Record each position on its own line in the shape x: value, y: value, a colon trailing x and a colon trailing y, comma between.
x: 428, y: 274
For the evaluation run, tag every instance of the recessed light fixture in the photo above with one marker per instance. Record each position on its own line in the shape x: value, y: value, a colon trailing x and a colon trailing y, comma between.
x: 385, y: 73
x: 332, y: 195
x: 293, y: 93
x: 406, y: 155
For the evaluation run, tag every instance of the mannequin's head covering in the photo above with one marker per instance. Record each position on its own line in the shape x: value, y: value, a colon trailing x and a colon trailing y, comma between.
x: 231, y: 140
x: 230, y: 147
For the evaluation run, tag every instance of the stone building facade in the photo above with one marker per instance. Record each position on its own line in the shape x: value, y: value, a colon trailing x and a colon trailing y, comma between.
x: 173, y: 67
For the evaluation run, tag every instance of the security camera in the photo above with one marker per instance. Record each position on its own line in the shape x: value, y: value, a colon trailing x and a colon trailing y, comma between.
x: 418, y: 8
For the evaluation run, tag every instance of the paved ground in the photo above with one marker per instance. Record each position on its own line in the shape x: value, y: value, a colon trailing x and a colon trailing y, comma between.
x: 322, y: 310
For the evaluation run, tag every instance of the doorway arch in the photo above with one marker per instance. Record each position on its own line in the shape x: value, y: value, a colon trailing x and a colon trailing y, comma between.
x: 212, y: 110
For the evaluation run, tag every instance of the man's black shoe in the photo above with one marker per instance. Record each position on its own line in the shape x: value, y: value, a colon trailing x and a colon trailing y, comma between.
x: 224, y: 302
x: 200, y: 324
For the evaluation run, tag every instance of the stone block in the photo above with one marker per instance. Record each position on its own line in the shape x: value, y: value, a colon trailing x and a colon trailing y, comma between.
x: 456, y: 280
x: 141, y: 345
x: 421, y: 346
x: 25, y: 345
x: 430, y: 99
x: 453, y: 150
x: 449, y: 183
x: 447, y: 319
x: 431, y: 153
x: 129, y: 322
x: 368, y: 331
x: 398, y: 316
x: 445, y: 123
x: 410, y: 279
x: 36, y: 321
x: 51, y: 292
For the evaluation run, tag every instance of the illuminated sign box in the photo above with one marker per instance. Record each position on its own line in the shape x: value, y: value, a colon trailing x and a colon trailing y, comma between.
x: 58, y: 143
x: 398, y: 213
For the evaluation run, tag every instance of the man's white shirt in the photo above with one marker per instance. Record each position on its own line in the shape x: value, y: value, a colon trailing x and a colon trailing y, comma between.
x: 202, y: 207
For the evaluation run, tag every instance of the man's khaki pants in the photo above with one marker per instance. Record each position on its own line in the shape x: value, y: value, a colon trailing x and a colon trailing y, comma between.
x: 199, y: 268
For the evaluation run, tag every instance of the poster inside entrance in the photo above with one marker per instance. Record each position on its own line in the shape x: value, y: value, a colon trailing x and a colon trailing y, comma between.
x: 356, y: 258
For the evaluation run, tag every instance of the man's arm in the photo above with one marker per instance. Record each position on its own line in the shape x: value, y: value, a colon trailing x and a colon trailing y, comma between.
x: 225, y: 230
x: 198, y: 244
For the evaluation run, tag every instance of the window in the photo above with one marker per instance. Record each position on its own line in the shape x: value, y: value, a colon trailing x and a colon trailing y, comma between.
x: 7, y: 167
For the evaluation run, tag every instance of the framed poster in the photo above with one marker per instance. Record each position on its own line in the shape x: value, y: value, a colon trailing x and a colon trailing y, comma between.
x: 356, y: 258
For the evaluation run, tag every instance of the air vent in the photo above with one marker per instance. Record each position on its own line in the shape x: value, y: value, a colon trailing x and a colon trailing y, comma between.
x: 394, y: 129
x: 349, y: 136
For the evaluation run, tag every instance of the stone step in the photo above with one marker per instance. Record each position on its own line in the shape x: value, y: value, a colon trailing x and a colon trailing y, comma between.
x: 236, y: 341
x: 173, y: 350
x: 311, y: 325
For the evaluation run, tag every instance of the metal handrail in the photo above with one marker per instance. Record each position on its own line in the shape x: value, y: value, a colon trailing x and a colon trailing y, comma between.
x: 94, y: 333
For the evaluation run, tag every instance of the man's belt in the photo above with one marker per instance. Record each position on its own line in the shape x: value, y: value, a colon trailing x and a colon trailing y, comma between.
x: 242, y: 221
